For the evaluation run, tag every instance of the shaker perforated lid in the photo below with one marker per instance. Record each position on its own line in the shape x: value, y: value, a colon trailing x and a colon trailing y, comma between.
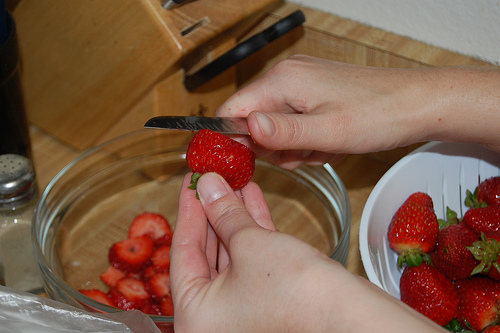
x: 17, y: 178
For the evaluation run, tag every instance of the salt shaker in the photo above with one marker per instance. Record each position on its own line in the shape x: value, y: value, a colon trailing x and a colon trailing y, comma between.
x: 18, y: 196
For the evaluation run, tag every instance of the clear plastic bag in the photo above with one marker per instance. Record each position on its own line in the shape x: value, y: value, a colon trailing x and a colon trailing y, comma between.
x: 26, y: 313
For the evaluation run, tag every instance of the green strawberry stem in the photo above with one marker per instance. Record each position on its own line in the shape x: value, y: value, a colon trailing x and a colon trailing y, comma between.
x: 413, y: 257
x: 451, y: 219
x: 454, y: 326
x: 471, y: 199
x: 194, y: 180
x: 486, y: 251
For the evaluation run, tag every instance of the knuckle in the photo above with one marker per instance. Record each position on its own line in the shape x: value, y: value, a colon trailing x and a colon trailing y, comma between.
x: 294, y: 132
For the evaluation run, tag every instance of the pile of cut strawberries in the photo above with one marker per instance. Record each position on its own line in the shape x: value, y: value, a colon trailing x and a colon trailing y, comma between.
x: 451, y: 266
x: 138, y: 273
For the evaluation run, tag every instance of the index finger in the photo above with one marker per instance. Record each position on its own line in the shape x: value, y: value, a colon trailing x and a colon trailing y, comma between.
x: 189, y: 261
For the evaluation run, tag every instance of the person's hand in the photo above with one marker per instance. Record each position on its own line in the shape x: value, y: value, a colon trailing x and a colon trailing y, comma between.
x: 250, y: 272
x: 232, y: 272
x: 310, y: 110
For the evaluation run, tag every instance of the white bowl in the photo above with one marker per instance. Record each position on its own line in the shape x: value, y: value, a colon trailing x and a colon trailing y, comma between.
x: 443, y: 170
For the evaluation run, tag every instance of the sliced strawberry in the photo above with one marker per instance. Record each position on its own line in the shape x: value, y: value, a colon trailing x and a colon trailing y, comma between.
x: 121, y: 301
x: 136, y: 275
x: 111, y: 275
x: 167, y: 306
x: 152, y: 309
x: 160, y: 259
x: 154, y: 225
x: 158, y: 286
x: 98, y: 295
x: 133, y: 290
x: 148, y: 273
x: 165, y: 240
x: 132, y: 254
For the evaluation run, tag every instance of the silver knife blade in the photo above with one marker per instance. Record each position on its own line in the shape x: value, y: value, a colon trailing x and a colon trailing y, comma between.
x: 226, y: 125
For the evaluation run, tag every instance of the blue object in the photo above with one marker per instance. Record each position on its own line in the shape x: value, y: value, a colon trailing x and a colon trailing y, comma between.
x: 3, y: 21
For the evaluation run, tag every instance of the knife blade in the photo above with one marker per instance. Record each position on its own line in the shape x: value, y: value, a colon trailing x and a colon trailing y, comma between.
x: 226, y: 125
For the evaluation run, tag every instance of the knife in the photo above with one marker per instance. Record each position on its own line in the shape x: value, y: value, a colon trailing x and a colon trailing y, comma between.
x: 226, y: 125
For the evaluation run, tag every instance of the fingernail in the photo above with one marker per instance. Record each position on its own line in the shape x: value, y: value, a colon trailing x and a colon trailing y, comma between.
x: 266, y: 125
x: 306, y: 153
x: 210, y: 188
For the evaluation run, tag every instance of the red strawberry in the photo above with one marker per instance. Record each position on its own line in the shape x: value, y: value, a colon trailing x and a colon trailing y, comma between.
x: 120, y: 300
x: 479, y: 302
x: 98, y: 295
x: 148, y: 273
x: 167, y: 306
x: 413, y: 231
x: 152, y: 309
x: 492, y: 329
x: 487, y: 251
x: 452, y: 256
x: 130, y: 293
x: 487, y: 193
x: 158, y: 286
x: 420, y: 199
x: 111, y: 275
x: 427, y: 290
x: 160, y: 259
x: 152, y: 224
x: 210, y: 151
x: 483, y: 219
x: 131, y: 254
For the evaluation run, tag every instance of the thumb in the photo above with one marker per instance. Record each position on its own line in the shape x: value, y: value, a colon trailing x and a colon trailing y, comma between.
x: 285, y: 131
x: 225, y: 211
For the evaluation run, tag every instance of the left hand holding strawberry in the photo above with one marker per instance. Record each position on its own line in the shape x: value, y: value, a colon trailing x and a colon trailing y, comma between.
x: 236, y: 270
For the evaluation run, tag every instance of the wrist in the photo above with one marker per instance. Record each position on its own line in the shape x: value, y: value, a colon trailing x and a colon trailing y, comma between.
x: 463, y: 106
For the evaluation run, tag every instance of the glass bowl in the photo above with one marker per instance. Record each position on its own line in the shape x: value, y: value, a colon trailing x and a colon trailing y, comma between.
x: 89, y: 205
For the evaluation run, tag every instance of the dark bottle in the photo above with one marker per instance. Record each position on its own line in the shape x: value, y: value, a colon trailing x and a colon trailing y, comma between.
x: 14, y: 130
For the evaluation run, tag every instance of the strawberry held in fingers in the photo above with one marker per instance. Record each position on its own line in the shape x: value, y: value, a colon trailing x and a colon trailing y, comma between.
x: 413, y: 231
x: 210, y: 151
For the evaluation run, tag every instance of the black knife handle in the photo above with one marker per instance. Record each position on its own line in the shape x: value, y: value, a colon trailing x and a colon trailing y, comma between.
x: 243, y: 50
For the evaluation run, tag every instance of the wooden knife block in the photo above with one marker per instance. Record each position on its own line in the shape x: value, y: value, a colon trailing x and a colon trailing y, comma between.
x: 93, y: 70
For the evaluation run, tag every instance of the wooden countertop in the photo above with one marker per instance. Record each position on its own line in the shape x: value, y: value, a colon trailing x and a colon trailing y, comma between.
x: 359, y: 173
